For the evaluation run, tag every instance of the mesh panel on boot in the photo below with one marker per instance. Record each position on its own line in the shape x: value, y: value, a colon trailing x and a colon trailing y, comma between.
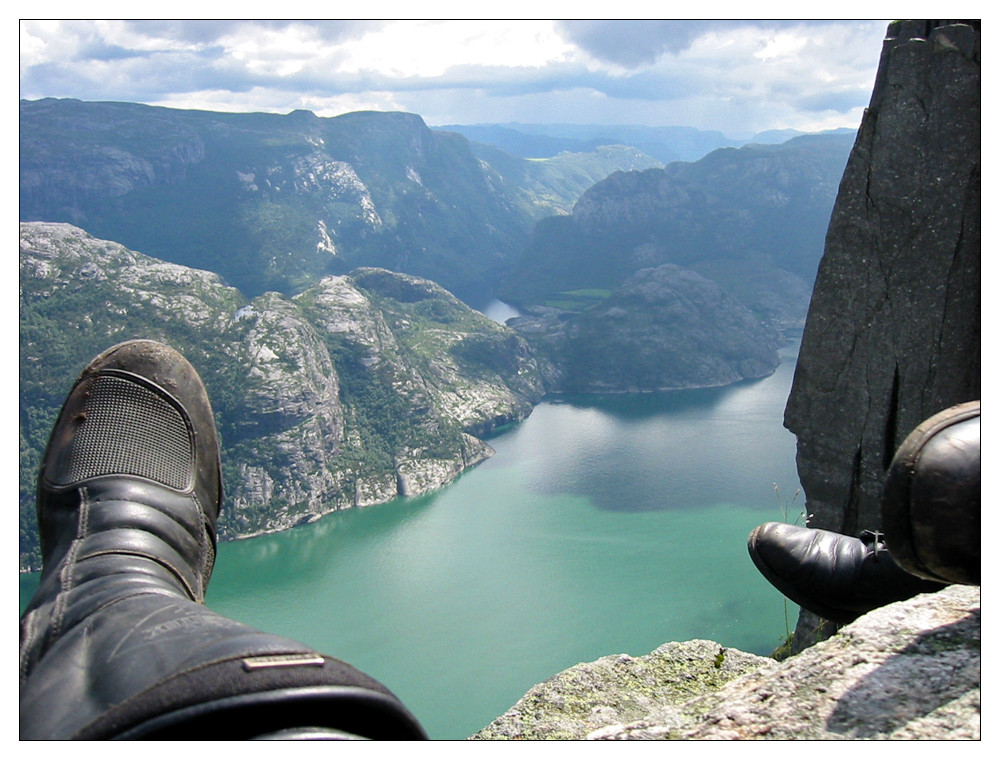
x: 125, y: 428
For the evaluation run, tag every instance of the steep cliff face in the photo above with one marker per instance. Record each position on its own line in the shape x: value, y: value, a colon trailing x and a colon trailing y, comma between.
x: 893, y: 332
x: 362, y: 388
x: 892, y: 336
x: 69, y: 159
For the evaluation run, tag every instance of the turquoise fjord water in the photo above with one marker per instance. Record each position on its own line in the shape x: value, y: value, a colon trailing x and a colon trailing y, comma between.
x: 602, y: 525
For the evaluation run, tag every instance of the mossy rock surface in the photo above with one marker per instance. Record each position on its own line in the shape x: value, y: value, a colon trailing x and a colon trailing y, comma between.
x: 620, y: 689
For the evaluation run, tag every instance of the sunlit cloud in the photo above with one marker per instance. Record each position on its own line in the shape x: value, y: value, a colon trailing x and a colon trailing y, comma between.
x: 427, y: 49
x: 734, y: 76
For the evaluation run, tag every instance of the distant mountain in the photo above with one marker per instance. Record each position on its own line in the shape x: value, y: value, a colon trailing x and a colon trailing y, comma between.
x: 774, y: 136
x: 524, y: 144
x: 665, y: 144
x: 361, y: 388
x: 271, y: 202
x: 549, y: 166
x: 664, y: 328
x: 547, y: 186
x: 276, y: 202
x: 752, y: 219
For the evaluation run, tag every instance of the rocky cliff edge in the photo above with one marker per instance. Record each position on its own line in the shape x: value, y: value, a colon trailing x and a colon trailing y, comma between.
x: 910, y: 670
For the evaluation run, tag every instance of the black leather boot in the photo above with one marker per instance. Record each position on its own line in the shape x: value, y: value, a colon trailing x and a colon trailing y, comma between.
x: 931, y: 515
x: 837, y: 577
x: 117, y: 642
x: 931, y: 506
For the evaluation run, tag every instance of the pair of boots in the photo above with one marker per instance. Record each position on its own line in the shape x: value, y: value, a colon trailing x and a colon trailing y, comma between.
x: 117, y: 642
x: 931, y: 517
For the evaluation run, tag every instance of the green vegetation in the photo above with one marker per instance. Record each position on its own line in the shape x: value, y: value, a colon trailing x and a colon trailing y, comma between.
x: 577, y: 300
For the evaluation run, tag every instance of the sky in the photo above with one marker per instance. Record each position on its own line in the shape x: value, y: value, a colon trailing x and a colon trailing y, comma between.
x: 739, y: 77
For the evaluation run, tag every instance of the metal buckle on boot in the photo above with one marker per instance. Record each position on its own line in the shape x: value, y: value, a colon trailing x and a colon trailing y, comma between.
x: 874, y: 542
x: 282, y: 661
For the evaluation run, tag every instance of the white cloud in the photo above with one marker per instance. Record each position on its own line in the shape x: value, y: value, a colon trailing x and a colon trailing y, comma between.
x: 727, y: 75
x: 33, y: 48
x: 784, y: 46
x: 428, y: 49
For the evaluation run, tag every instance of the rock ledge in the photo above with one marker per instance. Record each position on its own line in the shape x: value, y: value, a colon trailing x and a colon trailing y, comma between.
x: 910, y: 670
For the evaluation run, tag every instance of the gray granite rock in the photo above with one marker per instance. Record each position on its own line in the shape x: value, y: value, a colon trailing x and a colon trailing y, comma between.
x: 645, y: 695
x: 910, y: 670
x: 360, y: 389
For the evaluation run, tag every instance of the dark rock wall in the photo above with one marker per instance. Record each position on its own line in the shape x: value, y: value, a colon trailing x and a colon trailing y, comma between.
x: 893, y: 332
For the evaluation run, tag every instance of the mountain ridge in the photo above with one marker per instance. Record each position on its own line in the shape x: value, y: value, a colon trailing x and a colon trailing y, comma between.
x: 725, y: 216
x: 271, y: 202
